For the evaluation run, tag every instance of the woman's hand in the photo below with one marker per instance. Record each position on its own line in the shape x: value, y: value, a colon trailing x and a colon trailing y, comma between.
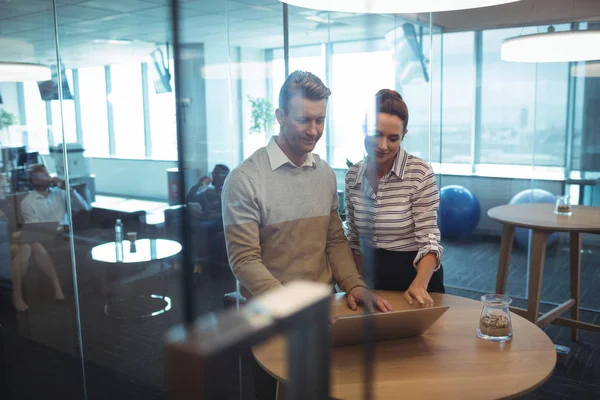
x: 418, y: 288
x: 419, y: 293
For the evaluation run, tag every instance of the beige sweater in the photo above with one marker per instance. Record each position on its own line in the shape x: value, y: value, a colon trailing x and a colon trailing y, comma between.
x: 281, y: 224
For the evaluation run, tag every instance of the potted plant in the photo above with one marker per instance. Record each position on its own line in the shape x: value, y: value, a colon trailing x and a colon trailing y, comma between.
x: 6, y: 120
x: 263, y: 115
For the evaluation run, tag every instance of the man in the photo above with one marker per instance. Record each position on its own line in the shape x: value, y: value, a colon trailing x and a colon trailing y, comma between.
x: 280, y: 206
x: 204, y: 198
x: 48, y: 200
x: 204, y: 202
x: 46, y: 203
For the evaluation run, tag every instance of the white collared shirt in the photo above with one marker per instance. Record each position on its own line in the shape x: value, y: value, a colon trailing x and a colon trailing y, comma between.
x: 277, y: 157
x: 401, y: 215
x: 36, y: 207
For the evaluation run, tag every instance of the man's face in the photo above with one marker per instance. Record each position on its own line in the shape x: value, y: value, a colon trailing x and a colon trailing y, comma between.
x: 302, y: 126
x: 218, y: 177
x: 41, y: 179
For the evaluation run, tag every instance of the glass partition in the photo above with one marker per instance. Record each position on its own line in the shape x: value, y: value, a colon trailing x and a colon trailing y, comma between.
x: 113, y: 166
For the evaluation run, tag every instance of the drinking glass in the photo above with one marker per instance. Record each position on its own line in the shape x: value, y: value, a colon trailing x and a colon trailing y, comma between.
x: 563, y: 206
x: 494, y: 323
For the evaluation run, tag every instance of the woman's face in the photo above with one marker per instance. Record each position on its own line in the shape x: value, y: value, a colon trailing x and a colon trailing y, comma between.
x: 383, y: 142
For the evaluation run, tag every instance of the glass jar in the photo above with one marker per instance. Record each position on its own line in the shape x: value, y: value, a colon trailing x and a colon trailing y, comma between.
x: 563, y: 206
x: 494, y: 323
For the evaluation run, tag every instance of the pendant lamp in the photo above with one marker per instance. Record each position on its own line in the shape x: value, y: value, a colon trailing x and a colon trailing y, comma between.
x: 552, y: 47
x: 394, y: 6
x: 19, y: 72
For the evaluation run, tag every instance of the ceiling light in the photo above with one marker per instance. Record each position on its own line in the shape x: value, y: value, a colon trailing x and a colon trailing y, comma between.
x: 586, y: 70
x: 316, y: 18
x: 394, y: 6
x: 553, y: 47
x: 20, y: 72
x: 113, y: 41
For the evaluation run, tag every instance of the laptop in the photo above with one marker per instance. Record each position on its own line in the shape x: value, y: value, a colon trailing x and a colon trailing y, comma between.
x: 39, y: 232
x: 349, y: 330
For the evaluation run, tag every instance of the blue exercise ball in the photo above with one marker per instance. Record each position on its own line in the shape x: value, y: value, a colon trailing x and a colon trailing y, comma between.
x: 459, y: 211
x: 532, y: 196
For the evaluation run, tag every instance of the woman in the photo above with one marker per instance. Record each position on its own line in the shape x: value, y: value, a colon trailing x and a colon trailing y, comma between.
x: 391, y: 205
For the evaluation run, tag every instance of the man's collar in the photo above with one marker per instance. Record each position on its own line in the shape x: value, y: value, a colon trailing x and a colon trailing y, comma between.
x: 39, y: 194
x: 397, y: 169
x: 277, y: 157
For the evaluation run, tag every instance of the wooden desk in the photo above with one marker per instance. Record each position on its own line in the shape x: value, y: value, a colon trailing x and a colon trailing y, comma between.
x: 449, y: 361
x: 540, y: 218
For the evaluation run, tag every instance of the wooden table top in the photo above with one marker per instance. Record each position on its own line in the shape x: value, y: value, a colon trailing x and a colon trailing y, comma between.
x: 448, y: 361
x: 541, y: 216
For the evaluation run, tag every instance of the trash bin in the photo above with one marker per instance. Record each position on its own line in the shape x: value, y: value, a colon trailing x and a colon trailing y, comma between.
x: 190, y: 176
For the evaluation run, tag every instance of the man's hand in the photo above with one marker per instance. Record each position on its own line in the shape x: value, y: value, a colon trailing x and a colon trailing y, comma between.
x: 360, y: 295
x: 58, y: 182
x: 203, y: 181
x: 419, y: 293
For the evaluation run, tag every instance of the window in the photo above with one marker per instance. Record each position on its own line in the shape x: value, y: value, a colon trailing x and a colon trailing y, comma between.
x: 163, y: 124
x: 415, y: 92
x: 94, y: 120
x: 352, y: 96
x: 128, y: 110
x: 68, y: 117
x: 523, y: 107
x: 458, y: 98
x: 35, y: 115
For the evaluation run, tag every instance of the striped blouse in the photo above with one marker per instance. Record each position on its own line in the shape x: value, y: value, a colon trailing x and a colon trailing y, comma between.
x: 402, y: 215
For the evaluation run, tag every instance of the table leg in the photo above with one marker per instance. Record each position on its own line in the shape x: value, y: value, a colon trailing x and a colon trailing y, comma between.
x: 536, y: 274
x: 280, y: 391
x: 506, y: 245
x: 575, y: 268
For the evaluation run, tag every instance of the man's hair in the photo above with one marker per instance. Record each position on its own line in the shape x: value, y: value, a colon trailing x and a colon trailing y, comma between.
x: 34, y: 169
x: 390, y: 102
x: 306, y: 84
x: 222, y: 167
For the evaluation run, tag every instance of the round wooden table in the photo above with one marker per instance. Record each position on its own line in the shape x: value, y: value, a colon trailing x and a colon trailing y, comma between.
x: 448, y: 361
x: 540, y: 218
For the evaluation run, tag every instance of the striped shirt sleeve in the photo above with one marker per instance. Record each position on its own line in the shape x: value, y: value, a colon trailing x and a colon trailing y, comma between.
x: 353, y: 235
x: 425, y: 203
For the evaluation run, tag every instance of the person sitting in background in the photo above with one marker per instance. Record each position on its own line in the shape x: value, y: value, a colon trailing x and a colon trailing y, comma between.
x: 46, y: 203
x: 48, y: 200
x: 204, y: 202
x: 20, y: 254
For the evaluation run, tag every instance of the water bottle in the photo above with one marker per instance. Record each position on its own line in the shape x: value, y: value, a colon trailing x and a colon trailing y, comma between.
x: 119, y: 231
x: 119, y: 241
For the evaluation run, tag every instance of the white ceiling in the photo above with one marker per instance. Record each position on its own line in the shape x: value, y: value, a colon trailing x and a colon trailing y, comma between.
x: 247, y: 23
x: 524, y: 12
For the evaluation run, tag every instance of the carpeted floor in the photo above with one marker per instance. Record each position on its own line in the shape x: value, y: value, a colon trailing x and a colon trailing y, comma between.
x: 123, y: 358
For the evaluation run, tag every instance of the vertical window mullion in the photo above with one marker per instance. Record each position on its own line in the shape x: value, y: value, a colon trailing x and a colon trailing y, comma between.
x: 146, y: 108
x: 77, y: 102
x: 109, y: 114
